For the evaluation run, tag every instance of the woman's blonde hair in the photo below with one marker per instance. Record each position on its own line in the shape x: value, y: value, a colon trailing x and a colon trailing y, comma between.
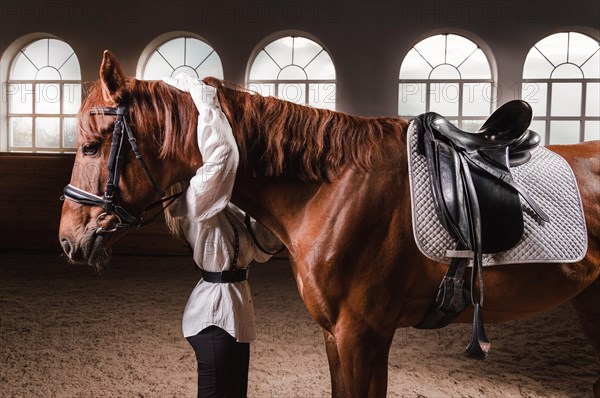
x: 174, y: 223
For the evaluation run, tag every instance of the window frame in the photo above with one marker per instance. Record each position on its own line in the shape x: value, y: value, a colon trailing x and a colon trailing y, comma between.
x: 460, y: 117
x: 277, y: 83
x: 61, y: 115
x: 156, y: 44
x: 548, y: 118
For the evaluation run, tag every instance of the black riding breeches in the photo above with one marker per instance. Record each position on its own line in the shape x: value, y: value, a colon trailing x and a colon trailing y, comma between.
x: 222, y: 364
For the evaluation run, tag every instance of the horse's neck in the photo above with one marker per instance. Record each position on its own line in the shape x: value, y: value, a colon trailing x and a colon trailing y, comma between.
x: 178, y: 170
x: 275, y: 204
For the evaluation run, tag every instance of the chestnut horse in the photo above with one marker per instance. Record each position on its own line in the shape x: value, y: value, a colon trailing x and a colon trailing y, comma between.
x: 334, y: 188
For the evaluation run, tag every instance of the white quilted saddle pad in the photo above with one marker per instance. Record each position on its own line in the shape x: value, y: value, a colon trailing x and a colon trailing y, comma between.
x: 549, y: 180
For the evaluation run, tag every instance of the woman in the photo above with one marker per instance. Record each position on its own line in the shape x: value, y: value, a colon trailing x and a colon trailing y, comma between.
x: 218, y: 320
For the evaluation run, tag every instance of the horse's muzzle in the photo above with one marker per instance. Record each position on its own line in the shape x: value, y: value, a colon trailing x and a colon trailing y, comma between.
x: 91, y: 249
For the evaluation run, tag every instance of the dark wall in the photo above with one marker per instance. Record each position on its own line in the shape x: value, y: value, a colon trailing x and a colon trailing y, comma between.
x: 31, y: 186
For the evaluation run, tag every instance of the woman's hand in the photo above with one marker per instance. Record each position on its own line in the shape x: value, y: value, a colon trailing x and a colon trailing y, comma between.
x: 202, y: 94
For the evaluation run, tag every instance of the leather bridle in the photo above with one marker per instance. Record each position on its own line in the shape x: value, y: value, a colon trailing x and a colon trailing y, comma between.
x: 116, y: 162
x: 248, y: 225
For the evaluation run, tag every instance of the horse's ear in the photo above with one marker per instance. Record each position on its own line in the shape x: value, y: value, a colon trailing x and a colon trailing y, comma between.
x: 112, y: 79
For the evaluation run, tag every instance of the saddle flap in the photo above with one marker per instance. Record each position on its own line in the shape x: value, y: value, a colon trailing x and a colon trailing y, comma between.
x: 448, y: 190
x: 501, y: 213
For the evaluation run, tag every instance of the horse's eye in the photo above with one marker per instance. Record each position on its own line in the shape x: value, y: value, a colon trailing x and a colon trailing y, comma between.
x: 89, y: 149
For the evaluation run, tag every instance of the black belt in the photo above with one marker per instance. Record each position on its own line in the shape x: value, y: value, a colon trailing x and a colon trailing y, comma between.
x: 237, y: 275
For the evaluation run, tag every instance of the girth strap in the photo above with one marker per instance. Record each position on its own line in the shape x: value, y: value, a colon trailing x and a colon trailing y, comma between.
x: 452, y: 298
x: 450, y: 295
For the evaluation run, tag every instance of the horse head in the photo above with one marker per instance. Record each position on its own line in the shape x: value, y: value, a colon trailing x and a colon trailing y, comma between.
x: 135, y: 139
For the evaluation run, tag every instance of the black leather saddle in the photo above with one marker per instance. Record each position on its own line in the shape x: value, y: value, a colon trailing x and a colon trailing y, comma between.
x: 470, y: 175
x: 476, y: 200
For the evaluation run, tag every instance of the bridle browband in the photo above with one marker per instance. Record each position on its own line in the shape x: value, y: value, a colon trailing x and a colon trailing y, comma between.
x: 116, y: 161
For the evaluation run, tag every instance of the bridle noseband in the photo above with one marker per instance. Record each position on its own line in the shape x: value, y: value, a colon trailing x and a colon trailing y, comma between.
x: 116, y: 161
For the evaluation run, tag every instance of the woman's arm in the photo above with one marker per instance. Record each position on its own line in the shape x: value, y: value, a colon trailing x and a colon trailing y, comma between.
x: 210, y: 189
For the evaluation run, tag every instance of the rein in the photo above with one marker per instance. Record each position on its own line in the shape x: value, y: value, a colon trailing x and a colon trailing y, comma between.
x: 116, y: 161
x: 248, y: 225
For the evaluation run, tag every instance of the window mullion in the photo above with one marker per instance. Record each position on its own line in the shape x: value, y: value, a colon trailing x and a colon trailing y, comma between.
x: 33, y: 118
x: 60, y: 116
x: 306, y: 94
x: 582, y: 115
x: 460, y: 105
x: 427, y: 96
x: 548, y: 108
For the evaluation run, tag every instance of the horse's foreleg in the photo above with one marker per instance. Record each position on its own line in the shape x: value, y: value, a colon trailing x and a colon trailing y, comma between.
x: 363, y: 354
x: 337, y: 386
x: 587, y: 304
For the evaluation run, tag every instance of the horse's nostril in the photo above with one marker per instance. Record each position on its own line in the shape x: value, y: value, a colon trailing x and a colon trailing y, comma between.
x: 67, y: 247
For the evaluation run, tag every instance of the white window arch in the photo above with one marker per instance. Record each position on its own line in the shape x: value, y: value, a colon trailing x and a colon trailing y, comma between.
x: 448, y: 74
x: 183, y: 54
x: 296, y: 69
x: 561, y: 81
x: 44, y: 95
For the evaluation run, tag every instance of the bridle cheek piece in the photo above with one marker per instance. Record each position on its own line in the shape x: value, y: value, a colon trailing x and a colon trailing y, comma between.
x: 115, y: 165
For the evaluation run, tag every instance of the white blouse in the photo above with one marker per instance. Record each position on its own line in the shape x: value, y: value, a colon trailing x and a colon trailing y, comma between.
x: 210, y: 233
x: 226, y: 305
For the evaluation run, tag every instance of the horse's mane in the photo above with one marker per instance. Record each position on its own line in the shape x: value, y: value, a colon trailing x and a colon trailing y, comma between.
x: 277, y: 138
x: 150, y: 104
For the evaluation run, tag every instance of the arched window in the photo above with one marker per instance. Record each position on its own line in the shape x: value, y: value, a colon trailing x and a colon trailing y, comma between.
x: 561, y: 81
x: 44, y: 95
x: 296, y: 69
x: 183, y: 54
x: 450, y: 75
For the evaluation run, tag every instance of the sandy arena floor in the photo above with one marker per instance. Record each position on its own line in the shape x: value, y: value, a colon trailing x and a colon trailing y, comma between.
x: 68, y: 332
